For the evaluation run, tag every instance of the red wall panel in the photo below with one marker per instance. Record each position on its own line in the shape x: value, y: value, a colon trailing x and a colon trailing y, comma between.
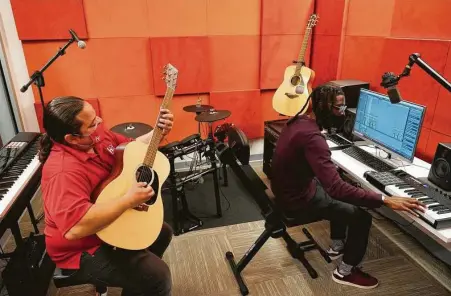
x: 49, y: 19
x: 419, y: 87
x: 277, y: 53
x: 421, y: 151
x: 289, y: 17
x: 330, y: 17
x: 70, y: 75
x: 325, y: 58
x: 116, y: 18
x: 233, y: 17
x: 245, y: 114
x: 177, y: 18
x: 369, y: 17
x: 118, y: 110
x: 442, y: 120
x: 121, y: 66
x: 422, y: 19
x: 234, y: 67
x: 361, y: 59
x: 190, y: 55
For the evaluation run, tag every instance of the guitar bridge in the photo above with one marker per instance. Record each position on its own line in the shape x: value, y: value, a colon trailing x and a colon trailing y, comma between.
x: 142, y: 208
x: 291, y: 96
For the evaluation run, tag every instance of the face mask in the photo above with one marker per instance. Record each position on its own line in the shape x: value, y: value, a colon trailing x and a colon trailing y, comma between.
x: 95, y: 136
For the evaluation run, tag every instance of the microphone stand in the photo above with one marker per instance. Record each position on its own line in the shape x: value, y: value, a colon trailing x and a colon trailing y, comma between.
x: 38, y: 78
x: 390, y: 79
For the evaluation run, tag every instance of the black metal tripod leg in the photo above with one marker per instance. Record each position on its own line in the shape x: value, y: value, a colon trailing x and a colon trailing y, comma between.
x: 224, y: 171
x: 216, y: 185
x: 33, y: 218
x: 238, y: 268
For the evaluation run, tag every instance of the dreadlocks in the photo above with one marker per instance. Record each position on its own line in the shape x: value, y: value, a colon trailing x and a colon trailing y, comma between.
x: 323, y: 98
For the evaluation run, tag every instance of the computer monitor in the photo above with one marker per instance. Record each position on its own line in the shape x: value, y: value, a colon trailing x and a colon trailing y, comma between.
x: 392, y: 127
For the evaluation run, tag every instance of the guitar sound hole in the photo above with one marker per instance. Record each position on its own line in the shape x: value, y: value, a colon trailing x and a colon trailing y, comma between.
x: 148, y: 175
x: 295, y: 80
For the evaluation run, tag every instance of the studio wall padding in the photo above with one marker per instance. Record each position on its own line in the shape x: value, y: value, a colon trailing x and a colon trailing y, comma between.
x: 49, y: 19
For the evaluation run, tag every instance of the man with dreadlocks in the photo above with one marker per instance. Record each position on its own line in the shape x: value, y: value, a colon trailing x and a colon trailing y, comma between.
x: 305, y: 182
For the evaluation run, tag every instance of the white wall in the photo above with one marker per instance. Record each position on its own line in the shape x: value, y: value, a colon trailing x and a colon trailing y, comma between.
x: 16, y: 66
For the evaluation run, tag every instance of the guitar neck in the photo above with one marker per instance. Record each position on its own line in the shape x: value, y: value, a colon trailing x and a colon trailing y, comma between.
x: 301, y: 56
x: 157, y: 132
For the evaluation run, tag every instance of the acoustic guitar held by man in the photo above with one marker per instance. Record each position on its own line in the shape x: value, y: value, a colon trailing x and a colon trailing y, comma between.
x: 78, y: 154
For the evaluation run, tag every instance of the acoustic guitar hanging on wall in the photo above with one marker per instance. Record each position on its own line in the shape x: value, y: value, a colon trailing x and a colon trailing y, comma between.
x: 292, y: 94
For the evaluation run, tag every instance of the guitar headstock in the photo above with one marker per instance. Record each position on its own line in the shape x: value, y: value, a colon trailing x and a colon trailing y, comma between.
x: 171, y: 73
x: 313, y: 20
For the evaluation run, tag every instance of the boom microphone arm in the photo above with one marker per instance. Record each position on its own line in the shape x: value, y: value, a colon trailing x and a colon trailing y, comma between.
x: 390, y: 80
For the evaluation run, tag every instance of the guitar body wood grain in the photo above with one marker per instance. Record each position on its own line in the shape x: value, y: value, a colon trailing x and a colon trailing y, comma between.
x: 134, y: 229
x: 289, y: 99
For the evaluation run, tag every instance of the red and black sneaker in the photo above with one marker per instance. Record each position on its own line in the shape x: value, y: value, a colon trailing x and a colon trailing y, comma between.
x: 357, y: 278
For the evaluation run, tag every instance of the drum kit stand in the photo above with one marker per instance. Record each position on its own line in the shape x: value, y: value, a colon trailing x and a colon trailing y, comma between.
x: 197, y: 146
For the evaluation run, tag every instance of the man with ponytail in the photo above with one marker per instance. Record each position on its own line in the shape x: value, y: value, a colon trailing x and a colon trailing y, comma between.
x: 78, y: 154
x: 305, y: 182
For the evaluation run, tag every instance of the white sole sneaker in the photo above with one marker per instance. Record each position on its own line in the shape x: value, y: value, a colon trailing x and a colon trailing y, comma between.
x: 343, y: 282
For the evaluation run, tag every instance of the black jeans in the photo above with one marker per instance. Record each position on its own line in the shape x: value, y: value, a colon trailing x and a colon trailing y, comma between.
x: 139, y: 273
x: 342, y: 216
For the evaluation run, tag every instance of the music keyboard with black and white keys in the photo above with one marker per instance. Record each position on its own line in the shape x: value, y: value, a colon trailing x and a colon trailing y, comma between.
x: 399, y: 183
x: 19, y: 163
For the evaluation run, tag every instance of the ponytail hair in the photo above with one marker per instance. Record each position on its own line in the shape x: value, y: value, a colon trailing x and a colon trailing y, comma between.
x: 46, y: 145
x: 60, y: 119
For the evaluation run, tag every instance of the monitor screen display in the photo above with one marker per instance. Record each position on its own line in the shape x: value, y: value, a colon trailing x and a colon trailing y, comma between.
x: 393, y: 127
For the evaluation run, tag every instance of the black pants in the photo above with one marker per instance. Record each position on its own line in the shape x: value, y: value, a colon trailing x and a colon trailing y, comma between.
x: 343, y: 217
x: 139, y: 273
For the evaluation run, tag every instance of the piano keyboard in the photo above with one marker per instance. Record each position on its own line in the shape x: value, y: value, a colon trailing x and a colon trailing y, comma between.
x: 18, y: 163
x: 399, y: 183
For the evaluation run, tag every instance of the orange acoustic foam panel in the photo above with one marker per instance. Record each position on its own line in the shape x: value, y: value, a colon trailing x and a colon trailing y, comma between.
x: 361, y: 59
x: 234, y: 67
x: 49, y: 19
x: 369, y: 17
x: 285, y: 17
x: 190, y: 55
x: 441, y: 121
x: 330, y: 17
x: 325, y: 58
x: 121, y: 66
x: 177, y: 18
x: 245, y: 107
x: 118, y: 110
x: 38, y: 108
x: 70, y: 75
x: 422, y: 19
x: 421, y: 151
x: 277, y: 53
x: 419, y: 87
x: 116, y: 18
x: 431, y: 147
x: 233, y: 17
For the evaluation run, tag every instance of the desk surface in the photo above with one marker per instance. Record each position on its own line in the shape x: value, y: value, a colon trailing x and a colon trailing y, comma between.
x: 418, y: 169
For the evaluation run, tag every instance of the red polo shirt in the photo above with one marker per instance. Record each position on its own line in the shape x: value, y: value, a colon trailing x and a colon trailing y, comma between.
x: 69, y: 176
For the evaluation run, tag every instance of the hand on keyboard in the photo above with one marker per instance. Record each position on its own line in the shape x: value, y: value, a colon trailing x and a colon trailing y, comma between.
x: 404, y: 204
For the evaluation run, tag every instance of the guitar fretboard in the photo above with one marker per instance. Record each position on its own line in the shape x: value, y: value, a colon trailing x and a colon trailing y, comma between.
x: 157, y: 132
x: 301, y: 57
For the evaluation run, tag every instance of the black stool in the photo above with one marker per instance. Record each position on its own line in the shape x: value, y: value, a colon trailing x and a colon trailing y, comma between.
x: 276, y: 222
x: 60, y: 280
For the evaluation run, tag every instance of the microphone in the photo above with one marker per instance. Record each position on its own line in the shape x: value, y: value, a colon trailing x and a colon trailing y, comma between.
x: 390, y: 82
x: 80, y: 43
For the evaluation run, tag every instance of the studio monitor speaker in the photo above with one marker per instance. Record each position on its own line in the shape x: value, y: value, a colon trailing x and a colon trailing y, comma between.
x: 351, y: 89
x: 440, y: 172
